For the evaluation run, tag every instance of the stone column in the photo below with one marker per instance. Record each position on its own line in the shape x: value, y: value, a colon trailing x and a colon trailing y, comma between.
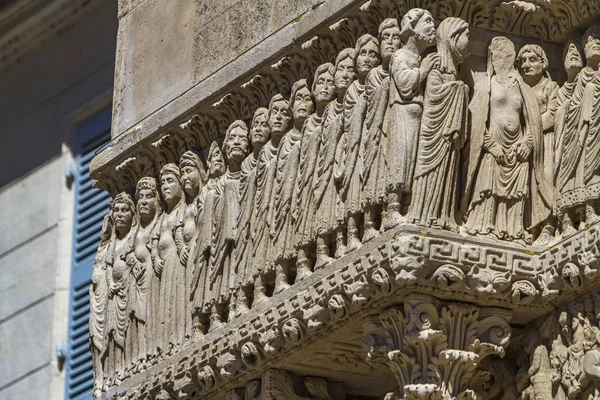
x: 434, y: 348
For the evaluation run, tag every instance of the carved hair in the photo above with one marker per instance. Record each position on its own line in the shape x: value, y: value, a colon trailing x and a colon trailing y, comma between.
x: 260, y: 111
x: 146, y: 183
x: 191, y: 159
x: 593, y: 30
x: 275, y: 99
x: 447, y: 36
x: 172, y: 169
x: 538, y: 51
x: 321, y: 69
x: 576, y: 40
x: 235, y: 124
x: 409, y: 21
x: 297, y: 86
x: 386, y: 24
x: 346, y: 53
x: 213, y: 151
x: 362, y: 42
x: 125, y: 198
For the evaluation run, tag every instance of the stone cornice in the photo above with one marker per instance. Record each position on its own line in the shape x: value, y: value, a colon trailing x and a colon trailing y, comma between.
x: 379, y: 274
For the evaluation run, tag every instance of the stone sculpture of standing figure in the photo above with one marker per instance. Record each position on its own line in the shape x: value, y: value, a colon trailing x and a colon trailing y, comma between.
x: 329, y: 208
x: 173, y: 298
x: 223, y: 270
x: 288, y: 158
x: 118, y: 275
x: 506, y: 149
x: 323, y: 91
x: 533, y: 65
x: 403, y: 119
x: 443, y: 131
x: 355, y: 106
x: 262, y: 220
x: 377, y: 90
x: 260, y: 134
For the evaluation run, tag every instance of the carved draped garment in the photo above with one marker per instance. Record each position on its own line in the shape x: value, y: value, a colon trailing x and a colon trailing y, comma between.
x: 355, y: 107
x: 570, y: 185
x: 262, y: 245
x: 99, y: 300
x: 282, y: 228
x: 443, y: 133
x: 377, y: 88
x: 117, y: 306
x: 305, y: 208
x: 590, y: 115
x: 243, y: 248
x: 403, y: 119
x: 329, y: 208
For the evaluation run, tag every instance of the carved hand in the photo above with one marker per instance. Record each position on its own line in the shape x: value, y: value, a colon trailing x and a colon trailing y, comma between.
x: 158, y: 267
x: 523, y: 151
x: 429, y: 62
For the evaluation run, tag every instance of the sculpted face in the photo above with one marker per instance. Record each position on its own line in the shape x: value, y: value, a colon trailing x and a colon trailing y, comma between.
x: 190, y: 177
x: 573, y: 59
x: 425, y: 29
x: 237, y: 145
x: 368, y: 58
x: 123, y: 216
x: 592, y: 50
x: 303, y: 104
x: 260, y: 132
x: 344, y: 74
x: 147, y: 203
x: 170, y: 188
x: 462, y: 45
x: 531, y: 64
x: 216, y: 164
x: 324, y: 88
x: 390, y: 41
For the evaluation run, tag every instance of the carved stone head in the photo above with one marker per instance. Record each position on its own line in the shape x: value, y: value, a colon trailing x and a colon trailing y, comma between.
x: 367, y: 54
x: 501, y: 55
x: 532, y: 62
x: 591, y: 46
x: 192, y: 173
x: 301, y: 101
x: 170, y: 184
x: 146, y: 195
x: 123, y: 213
x: 573, y: 55
x: 389, y: 38
x: 323, y: 87
x: 260, y: 131
x: 216, y: 162
x: 452, y: 38
x: 279, y: 115
x: 237, y: 143
x: 344, y: 73
x: 418, y: 23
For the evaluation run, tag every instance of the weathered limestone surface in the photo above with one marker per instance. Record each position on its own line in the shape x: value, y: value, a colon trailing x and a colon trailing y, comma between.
x: 437, y: 134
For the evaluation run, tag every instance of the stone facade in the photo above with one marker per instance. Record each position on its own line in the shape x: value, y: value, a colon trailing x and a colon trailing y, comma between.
x: 377, y: 200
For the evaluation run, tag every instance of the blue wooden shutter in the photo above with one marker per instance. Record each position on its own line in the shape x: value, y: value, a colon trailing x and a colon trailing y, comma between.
x: 90, y: 207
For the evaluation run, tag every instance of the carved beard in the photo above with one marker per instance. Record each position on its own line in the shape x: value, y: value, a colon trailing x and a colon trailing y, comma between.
x: 422, y: 37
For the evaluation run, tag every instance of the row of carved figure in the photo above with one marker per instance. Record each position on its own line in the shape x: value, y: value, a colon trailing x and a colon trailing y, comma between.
x: 383, y: 136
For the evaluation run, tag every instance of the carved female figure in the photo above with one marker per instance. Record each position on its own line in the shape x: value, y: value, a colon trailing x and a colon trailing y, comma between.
x: 533, y: 65
x: 329, y: 171
x: 288, y: 157
x: 305, y: 208
x: 117, y: 275
x: 499, y: 171
x: 355, y: 105
x: 262, y: 220
x: 260, y: 134
x: 145, y: 281
x: 403, y: 119
x: 172, y: 291
x: 443, y: 131
x: 222, y: 271
x: 572, y: 57
x: 377, y: 89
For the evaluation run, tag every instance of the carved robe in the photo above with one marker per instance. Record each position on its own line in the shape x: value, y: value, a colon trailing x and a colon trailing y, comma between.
x: 329, y: 207
x: 305, y: 208
x: 590, y: 116
x: 570, y: 185
x: 443, y: 133
x: 222, y: 270
x: 377, y: 88
x: 355, y: 107
x: 262, y: 245
x: 243, y: 247
x: 282, y: 229
x: 403, y: 119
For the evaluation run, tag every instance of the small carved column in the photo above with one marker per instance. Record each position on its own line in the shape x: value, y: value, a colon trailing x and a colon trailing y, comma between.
x: 434, y: 348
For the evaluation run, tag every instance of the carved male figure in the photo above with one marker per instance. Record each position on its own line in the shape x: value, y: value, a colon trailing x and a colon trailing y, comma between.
x: 506, y: 145
x: 443, y: 131
x: 329, y: 171
x: 408, y: 72
x: 377, y: 89
x: 367, y: 58
x: 288, y: 158
x: 533, y: 65
x: 260, y: 134
x: 222, y: 271
x: 323, y: 91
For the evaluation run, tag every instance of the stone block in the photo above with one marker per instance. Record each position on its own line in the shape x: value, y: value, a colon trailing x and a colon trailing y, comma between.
x: 34, y: 386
